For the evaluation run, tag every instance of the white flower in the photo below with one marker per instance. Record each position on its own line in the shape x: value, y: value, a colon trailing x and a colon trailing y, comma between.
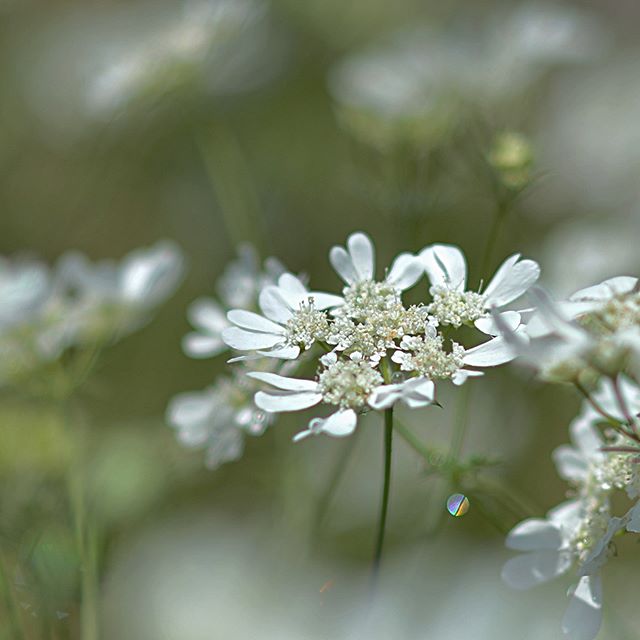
x: 356, y: 266
x: 294, y: 318
x: 454, y: 305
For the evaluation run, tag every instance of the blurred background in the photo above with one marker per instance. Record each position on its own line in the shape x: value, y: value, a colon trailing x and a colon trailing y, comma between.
x: 289, y: 125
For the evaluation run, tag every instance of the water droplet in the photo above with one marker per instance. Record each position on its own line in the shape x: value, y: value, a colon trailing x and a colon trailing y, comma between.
x: 397, y: 377
x: 457, y: 504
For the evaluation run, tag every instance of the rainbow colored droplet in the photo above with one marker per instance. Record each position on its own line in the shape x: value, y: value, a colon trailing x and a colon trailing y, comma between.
x: 457, y: 505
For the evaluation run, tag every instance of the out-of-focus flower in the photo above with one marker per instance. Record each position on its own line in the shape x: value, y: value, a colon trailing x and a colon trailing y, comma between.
x: 103, y: 64
x: 419, y: 86
x: 238, y: 287
x: 218, y: 418
x: 78, y: 305
x: 511, y: 157
x: 112, y: 299
x: 579, y: 533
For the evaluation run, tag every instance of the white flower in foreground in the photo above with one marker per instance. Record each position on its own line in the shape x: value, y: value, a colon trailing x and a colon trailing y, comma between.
x: 350, y: 387
x: 25, y: 287
x: 454, y: 305
x: 294, y: 319
x: 238, y: 286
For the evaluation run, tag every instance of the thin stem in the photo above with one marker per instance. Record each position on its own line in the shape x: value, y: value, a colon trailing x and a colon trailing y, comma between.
x: 384, y: 505
x: 460, y: 428
x: 84, y: 534
x: 588, y: 397
x: 633, y: 425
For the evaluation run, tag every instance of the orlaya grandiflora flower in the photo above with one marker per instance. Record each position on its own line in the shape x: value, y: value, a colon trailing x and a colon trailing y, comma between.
x: 293, y: 319
x: 569, y: 340
x: 454, y: 305
x: 579, y: 533
x: 238, y: 287
x: 347, y: 385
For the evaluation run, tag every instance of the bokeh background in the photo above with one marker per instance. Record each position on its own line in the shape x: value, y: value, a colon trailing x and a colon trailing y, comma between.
x: 290, y: 125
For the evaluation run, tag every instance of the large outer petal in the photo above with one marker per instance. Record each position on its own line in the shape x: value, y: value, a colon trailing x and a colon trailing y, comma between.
x: 340, y: 424
x: 605, y: 290
x: 405, y: 271
x: 534, y: 534
x: 531, y: 569
x: 571, y: 465
x: 488, y: 325
x: 207, y: 314
x: 198, y: 345
x: 243, y: 340
x: 342, y: 263
x: 362, y: 255
x: 253, y: 322
x: 274, y: 306
x: 284, y: 383
x: 278, y: 402
x: 511, y: 280
x: 489, y: 354
x: 583, y: 617
x: 445, y: 265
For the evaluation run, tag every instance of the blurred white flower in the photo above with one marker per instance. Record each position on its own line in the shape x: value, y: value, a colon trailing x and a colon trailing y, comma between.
x: 95, y: 64
x: 239, y: 286
x: 417, y: 86
x: 112, y: 299
x: 579, y: 533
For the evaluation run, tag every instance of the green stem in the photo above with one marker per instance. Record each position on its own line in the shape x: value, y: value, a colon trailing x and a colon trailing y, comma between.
x: 499, y: 217
x: 384, y: 505
x: 84, y: 534
x: 460, y: 427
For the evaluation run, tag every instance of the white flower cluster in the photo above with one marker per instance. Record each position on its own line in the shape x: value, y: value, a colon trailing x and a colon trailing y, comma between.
x: 596, y: 332
x: 580, y: 533
x: 218, y: 418
x: 76, y: 308
x: 370, y: 349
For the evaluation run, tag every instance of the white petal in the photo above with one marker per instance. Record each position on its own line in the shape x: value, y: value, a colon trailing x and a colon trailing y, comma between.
x: 534, y: 534
x: 189, y: 408
x: 274, y: 306
x: 461, y: 376
x: 283, y: 353
x: 445, y: 265
x: 566, y: 515
x: 571, y: 465
x: 488, y: 324
x: 385, y: 396
x: 281, y: 382
x: 606, y: 290
x: 207, y: 314
x: 253, y: 322
x: 583, y: 617
x: 489, y: 354
x: 511, y: 280
x: 278, y: 402
x: 586, y: 437
x: 633, y: 519
x: 531, y: 569
x: 324, y: 301
x: 302, y: 435
x: 362, y: 255
x: 290, y: 284
x: 248, y: 341
x: 405, y: 271
x: 342, y: 263
x: 197, y: 345
x: 340, y: 424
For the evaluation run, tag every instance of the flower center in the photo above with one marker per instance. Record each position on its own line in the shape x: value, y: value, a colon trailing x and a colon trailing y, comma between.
x: 306, y: 326
x: 348, y: 384
x: 618, y: 313
x: 456, y: 308
x: 426, y: 355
